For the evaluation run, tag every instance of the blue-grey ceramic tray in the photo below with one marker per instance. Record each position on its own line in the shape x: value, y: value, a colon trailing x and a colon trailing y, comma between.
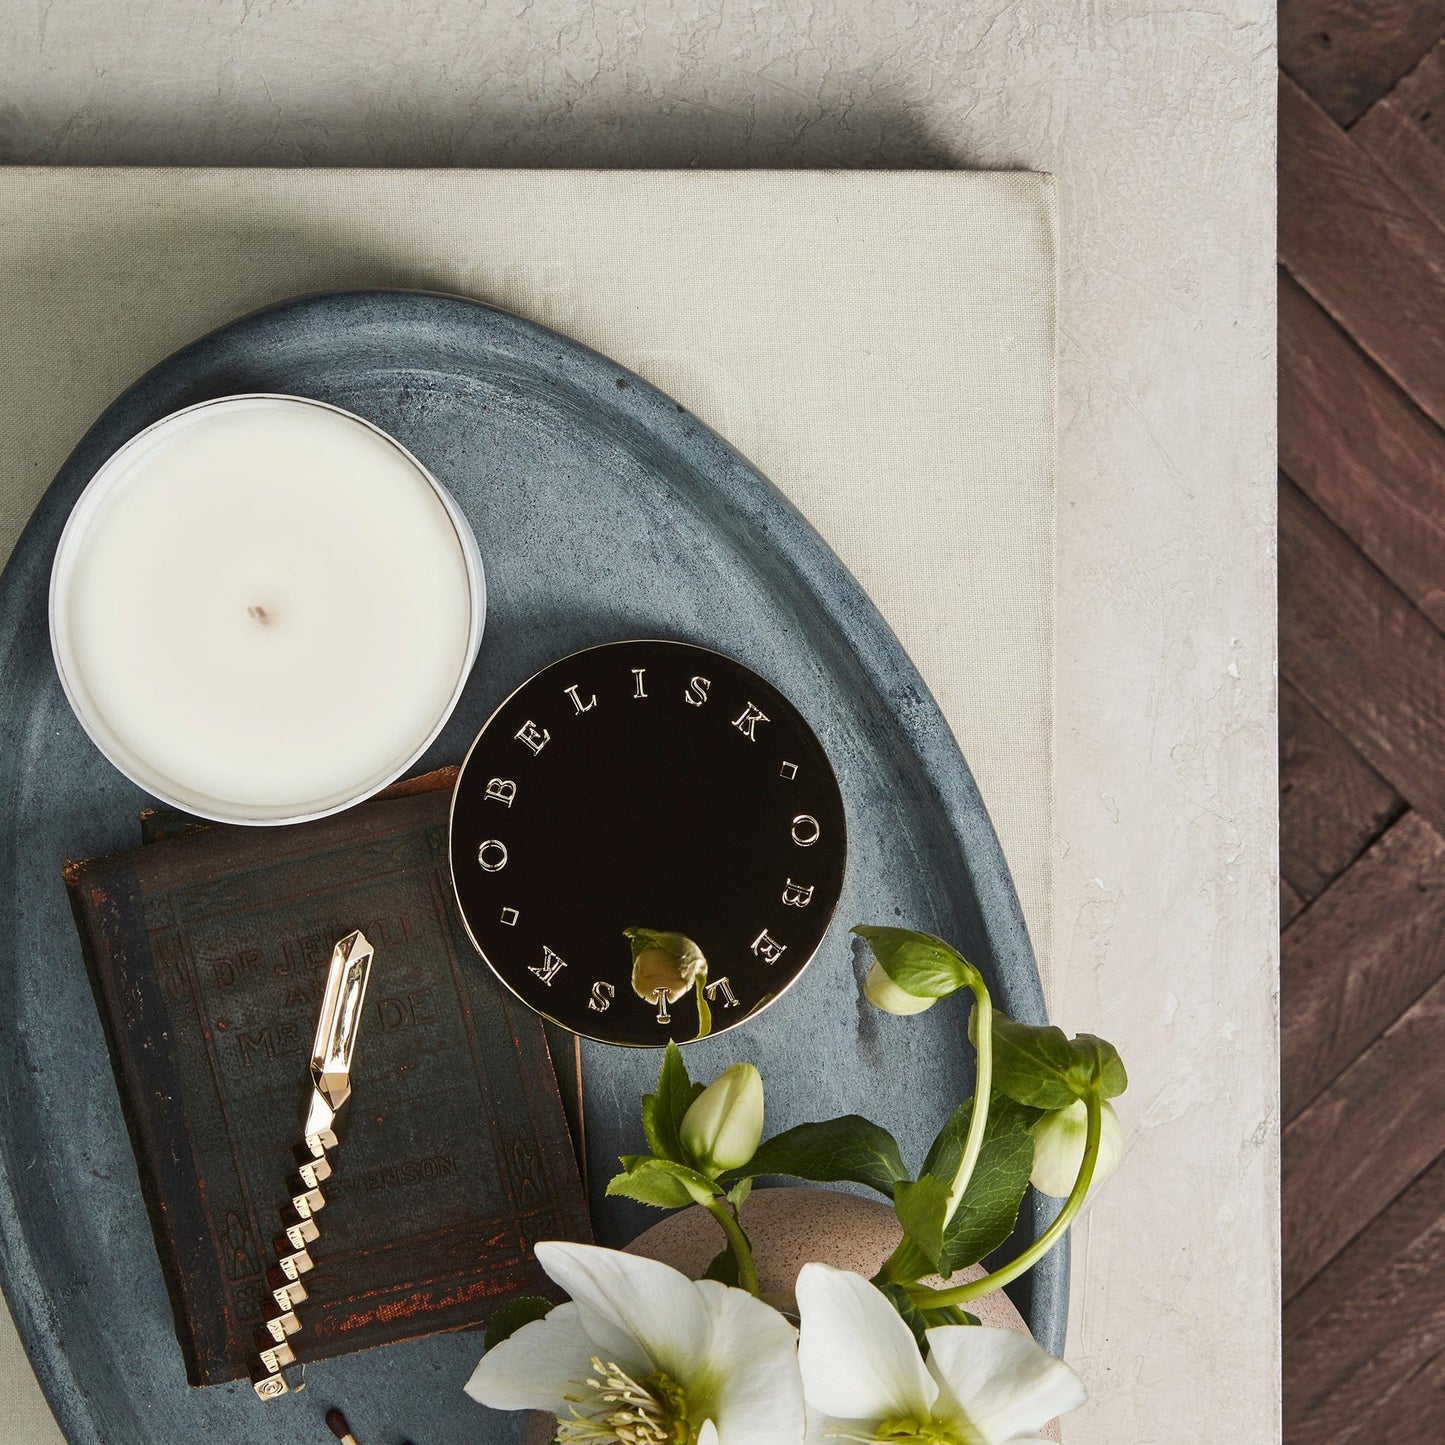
x: 604, y: 511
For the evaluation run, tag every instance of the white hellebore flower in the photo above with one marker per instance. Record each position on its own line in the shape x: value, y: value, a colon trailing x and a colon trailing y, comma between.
x: 1059, y: 1148
x: 643, y: 1356
x: 866, y: 1382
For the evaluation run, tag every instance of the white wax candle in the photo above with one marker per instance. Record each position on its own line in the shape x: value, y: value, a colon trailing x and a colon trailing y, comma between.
x: 263, y: 608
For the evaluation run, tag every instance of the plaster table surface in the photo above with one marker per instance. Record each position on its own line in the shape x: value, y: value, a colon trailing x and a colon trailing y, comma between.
x: 1159, y: 125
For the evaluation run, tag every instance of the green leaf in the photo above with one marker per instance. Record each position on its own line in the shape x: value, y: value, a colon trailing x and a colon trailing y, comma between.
x: 738, y: 1194
x: 905, y: 1265
x: 985, y: 1215
x: 662, y: 1112
x: 851, y: 1149
x: 677, y: 946
x: 921, y: 1320
x: 663, y: 1183
x: 920, y: 1207
x: 649, y: 1186
x: 1106, y: 1067
x: 512, y: 1316
x: 989, y: 1209
x: 1035, y: 1064
x: 945, y: 1154
x: 650, y: 1128
x: 724, y: 1269
x: 912, y: 1316
x: 918, y: 962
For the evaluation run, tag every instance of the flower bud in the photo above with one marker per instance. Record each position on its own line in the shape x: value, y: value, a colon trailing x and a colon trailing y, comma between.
x: 664, y: 962
x: 1059, y: 1148
x: 724, y: 1124
x: 880, y: 990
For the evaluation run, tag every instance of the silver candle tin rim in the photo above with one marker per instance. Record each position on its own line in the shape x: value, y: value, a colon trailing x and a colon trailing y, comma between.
x: 134, y: 767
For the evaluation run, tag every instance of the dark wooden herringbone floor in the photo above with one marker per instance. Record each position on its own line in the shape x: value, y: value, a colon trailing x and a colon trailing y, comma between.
x: 1362, y: 718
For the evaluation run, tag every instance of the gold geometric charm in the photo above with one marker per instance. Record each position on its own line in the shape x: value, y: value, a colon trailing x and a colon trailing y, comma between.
x: 267, y: 1385
x: 275, y: 1354
x: 322, y: 1140
x: 285, y: 1290
x: 332, y: 1051
x: 302, y: 1233
x: 293, y: 1263
x: 305, y: 1200
x: 281, y: 1320
x: 311, y: 1169
x: 292, y: 1216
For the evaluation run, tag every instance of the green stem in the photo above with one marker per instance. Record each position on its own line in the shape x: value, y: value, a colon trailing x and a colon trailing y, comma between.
x: 738, y: 1242
x: 982, y: 1090
x: 961, y: 1294
x: 901, y: 1265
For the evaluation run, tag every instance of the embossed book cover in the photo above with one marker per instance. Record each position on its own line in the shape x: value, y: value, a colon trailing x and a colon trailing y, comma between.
x: 208, y: 952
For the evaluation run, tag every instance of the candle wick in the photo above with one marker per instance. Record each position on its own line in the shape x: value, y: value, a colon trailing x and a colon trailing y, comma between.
x: 260, y: 614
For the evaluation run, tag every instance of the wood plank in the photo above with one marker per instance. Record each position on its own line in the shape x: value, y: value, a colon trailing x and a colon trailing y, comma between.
x: 1348, y: 53
x: 1332, y: 804
x: 1362, y: 248
x: 1369, y: 947
x: 1405, y: 134
x: 1291, y: 903
x: 1364, y: 454
x: 1361, y: 1142
x: 1367, y: 660
x: 1362, y: 1343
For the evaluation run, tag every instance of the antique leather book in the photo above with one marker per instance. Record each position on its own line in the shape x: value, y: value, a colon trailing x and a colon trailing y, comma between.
x: 207, y: 950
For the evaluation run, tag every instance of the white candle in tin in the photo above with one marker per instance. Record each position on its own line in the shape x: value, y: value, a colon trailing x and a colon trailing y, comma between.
x: 263, y: 608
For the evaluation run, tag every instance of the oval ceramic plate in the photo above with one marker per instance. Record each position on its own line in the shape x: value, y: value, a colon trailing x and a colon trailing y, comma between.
x: 603, y: 510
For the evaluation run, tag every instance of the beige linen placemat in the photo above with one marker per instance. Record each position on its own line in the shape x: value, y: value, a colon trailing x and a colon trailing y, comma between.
x: 880, y: 344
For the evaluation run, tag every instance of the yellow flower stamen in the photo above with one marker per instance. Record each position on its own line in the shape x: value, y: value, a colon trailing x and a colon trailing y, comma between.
x: 618, y: 1408
x: 907, y: 1431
